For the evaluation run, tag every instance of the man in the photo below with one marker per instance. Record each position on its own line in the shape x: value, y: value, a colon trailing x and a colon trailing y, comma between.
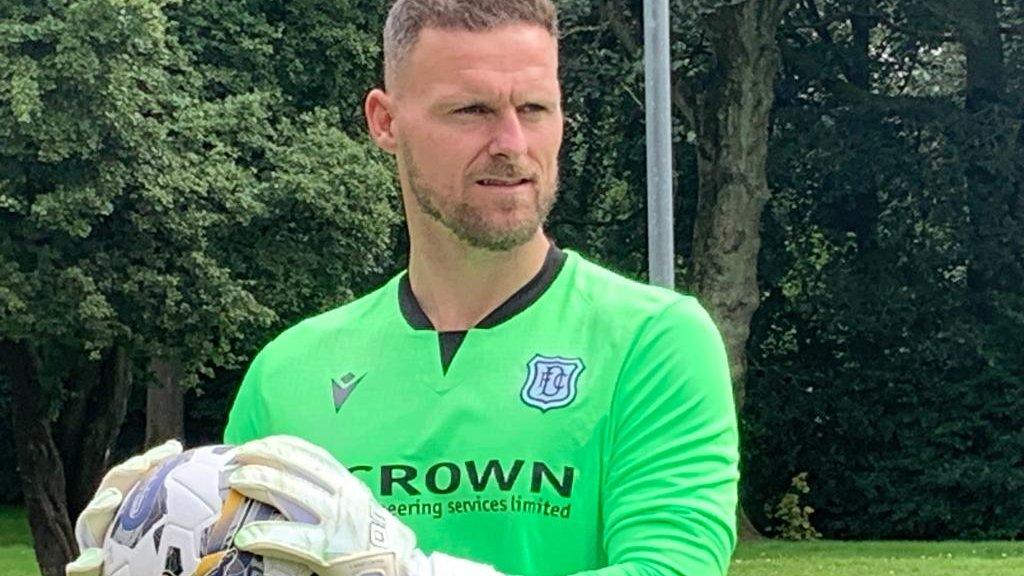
x: 511, y: 404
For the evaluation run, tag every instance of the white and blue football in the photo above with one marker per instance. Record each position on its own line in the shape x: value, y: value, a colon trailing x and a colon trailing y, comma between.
x: 180, y: 520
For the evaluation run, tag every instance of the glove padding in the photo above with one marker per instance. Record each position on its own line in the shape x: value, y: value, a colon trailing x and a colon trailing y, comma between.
x: 334, y: 525
x: 94, y: 522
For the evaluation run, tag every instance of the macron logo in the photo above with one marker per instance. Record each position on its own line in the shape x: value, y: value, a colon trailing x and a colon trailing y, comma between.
x: 342, y: 388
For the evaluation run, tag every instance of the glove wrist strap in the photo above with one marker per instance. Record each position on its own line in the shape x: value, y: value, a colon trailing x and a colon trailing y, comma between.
x: 373, y: 563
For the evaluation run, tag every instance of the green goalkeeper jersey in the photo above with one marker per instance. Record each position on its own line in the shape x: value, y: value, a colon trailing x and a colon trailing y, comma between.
x: 587, y: 425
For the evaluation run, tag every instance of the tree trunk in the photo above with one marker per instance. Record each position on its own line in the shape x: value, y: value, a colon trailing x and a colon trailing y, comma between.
x: 978, y: 24
x: 165, y: 404
x: 862, y: 21
x: 61, y: 462
x: 733, y: 114
x: 997, y: 255
x: 90, y: 421
x: 39, y: 462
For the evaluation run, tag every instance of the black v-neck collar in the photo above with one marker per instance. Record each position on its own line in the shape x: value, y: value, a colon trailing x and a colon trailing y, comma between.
x: 450, y: 342
x: 521, y: 300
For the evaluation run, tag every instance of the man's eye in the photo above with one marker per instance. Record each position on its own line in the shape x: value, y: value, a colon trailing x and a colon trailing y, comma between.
x: 473, y: 110
x: 531, y: 108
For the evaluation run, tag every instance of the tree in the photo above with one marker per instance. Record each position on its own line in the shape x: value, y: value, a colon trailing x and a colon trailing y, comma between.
x: 165, y: 403
x: 725, y: 95
x: 872, y: 367
x: 732, y: 119
x: 318, y: 55
x: 146, y: 216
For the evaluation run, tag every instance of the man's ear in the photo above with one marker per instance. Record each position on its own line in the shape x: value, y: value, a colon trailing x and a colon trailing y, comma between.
x: 379, y: 119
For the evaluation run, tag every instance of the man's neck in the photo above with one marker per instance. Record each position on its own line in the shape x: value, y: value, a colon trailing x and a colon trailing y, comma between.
x: 457, y: 286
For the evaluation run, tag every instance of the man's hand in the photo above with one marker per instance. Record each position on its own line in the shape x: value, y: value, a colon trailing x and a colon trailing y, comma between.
x: 331, y: 514
x: 93, y: 523
x: 335, y: 527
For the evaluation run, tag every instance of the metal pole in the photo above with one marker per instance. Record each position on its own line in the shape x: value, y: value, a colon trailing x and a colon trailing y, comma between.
x: 657, y: 94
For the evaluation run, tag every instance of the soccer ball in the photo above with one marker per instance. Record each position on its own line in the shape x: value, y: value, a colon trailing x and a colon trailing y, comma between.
x: 181, y: 518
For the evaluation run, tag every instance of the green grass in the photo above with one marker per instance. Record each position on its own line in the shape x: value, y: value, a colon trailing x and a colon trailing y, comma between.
x: 827, y: 558
x: 768, y: 558
x: 16, y: 555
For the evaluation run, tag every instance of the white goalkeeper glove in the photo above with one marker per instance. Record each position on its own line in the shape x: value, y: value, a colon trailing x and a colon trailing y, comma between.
x: 335, y: 527
x: 93, y: 523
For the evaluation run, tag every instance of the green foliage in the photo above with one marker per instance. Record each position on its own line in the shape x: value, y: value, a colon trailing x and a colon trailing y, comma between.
x: 179, y: 199
x: 110, y: 168
x: 171, y: 196
x: 317, y: 53
x: 602, y: 207
x: 792, y: 518
x: 884, y: 356
x: 602, y: 191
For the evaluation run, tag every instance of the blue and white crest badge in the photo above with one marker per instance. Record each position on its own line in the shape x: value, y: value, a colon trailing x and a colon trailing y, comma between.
x: 551, y: 382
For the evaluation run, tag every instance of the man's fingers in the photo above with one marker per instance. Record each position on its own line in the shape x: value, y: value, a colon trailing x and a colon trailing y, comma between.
x: 91, y: 526
x: 297, y: 498
x: 126, y: 474
x: 285, y: 540
x: 295, y: 455
x: 88, y: 563
x: 164, y: 451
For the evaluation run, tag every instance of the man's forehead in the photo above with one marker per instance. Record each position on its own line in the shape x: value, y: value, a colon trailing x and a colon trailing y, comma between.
x: 524, y: 53
x: 502, y: 40
x: 486, y: 83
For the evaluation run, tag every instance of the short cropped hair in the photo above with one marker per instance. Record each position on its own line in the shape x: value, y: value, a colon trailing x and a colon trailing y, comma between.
x: 407, y: 18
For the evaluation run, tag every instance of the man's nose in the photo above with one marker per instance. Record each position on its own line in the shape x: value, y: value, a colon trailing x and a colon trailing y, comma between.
x: 508, y: 138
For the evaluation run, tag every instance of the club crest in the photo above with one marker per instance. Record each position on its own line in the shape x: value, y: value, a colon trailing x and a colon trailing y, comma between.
x: 551, y: 381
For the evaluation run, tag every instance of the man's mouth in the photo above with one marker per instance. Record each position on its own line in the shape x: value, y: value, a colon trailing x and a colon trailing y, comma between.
x: 504, y: 182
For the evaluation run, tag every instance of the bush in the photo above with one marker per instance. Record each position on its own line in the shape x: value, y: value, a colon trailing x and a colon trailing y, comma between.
x: 793, y: 520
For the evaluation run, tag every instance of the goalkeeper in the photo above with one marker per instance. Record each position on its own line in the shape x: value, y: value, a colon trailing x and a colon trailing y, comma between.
x: 503, y: 405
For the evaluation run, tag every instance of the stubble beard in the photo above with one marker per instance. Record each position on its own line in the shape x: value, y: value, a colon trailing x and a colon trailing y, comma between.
x: 468, y: 223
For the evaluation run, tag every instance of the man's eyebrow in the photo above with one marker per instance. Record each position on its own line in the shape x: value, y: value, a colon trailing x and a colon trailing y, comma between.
x: 446, y: 101
x: 460, y: 96
x: 466, y: 101
x: 454, y: 103
x: 482, y: 100
x: 542, y: 99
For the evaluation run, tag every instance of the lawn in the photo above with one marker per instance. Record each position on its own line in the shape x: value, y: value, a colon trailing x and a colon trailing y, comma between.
x: 16, y: 557
x: 766, y: 558
x: 830, y: 558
